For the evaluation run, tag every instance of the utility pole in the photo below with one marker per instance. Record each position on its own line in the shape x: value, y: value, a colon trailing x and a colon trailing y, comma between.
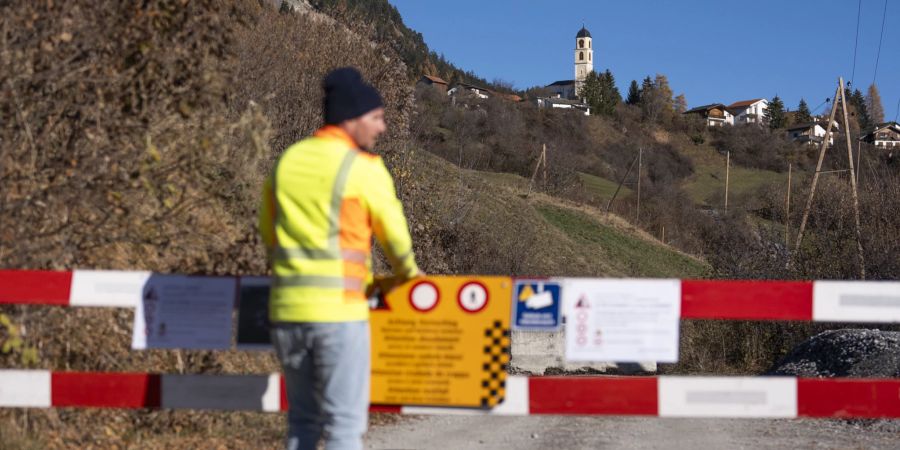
x: 859, y: 249
x: 838, y: 96
x: 727, y: 172
x: 815, y: 180
x: 542, y: 160
x: 637, y: 219
x: 630, y: 166
x: 787, y: 211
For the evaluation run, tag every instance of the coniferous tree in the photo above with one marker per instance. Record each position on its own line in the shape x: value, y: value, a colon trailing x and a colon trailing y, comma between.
x: 634, y: 94
x: 591, y: 92
x: 774, y: 113
x: 803, y: 114
x: 874, y: 107
x: 609, y: 94
x: 858, y: 104
x: 600, y: 93
x: 646, y: 88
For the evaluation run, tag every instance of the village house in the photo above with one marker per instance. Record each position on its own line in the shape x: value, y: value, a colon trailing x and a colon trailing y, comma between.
x: 562, y: 103
x: 811, y: 133
x: 885, y: 135
x: 563, y: 89
x: 748, y: 111
x: 476, y: 91
x: 716, y: 114
x: 432, y: 81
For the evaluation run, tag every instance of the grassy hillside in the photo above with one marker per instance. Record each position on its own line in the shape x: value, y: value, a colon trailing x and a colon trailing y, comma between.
x: 707, y: 185
x: 496, y: 225
x: 602, y: 189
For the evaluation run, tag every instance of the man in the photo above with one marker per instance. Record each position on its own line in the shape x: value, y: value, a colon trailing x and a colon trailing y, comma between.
x: 321, y: 205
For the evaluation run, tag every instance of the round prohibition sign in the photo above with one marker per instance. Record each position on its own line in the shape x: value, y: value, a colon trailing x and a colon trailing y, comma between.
x: 473, y: 297
x: 424, y: 296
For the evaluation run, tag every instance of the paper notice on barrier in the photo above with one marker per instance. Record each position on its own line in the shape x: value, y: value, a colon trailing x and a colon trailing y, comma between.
x: 185, y: 312
x: 622, y: 320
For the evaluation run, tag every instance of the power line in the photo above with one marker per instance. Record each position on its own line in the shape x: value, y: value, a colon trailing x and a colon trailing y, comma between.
x: 820, y: 105
x: 856, y: 42
x: 878, y: 55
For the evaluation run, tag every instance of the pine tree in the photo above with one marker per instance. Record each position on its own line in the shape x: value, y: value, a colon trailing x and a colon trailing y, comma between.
x: 680, y: 104
x: 634, y: 94
x: 591, y: 92
x: 609, y: 94
x: 646, y: 89
x: 858, y: 103
x: 874, y: 107
x: 774, y: 113
x: 803, y: 114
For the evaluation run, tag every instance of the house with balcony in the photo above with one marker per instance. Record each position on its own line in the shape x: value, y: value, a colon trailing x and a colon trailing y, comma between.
x: 811, y: 133
x: 749, y: 111
x: 885, y: 135
x: 715, y: 115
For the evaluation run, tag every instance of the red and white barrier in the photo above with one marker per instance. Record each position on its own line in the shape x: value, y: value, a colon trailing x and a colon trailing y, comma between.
x: 828, y: 301
x: 746, y: 397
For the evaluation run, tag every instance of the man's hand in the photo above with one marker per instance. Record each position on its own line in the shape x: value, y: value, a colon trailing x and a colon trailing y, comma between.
x: 383, y: 285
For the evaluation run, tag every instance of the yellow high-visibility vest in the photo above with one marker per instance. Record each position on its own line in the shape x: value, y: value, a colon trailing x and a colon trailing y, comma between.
x: 320, y: 206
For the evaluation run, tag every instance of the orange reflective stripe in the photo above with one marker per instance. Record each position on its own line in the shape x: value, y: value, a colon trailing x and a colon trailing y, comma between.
x: 356, y: 228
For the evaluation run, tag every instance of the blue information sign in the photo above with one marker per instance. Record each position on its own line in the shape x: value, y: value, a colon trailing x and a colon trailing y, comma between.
x: 536, y: 305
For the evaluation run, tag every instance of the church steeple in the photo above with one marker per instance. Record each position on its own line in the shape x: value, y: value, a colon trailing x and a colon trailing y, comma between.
x: 584, y: 57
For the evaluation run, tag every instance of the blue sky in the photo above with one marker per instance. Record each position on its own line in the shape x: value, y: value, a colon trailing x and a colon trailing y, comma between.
x: 712, y: 51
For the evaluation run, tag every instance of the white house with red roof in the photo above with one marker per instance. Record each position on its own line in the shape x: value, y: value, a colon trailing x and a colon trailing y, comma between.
x: 748, y: 111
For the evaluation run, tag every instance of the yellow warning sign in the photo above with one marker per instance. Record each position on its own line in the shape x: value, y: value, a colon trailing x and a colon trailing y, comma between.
x: 442, y: 341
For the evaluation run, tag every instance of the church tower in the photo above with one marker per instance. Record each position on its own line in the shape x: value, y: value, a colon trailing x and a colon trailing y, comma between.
x: 584, y: 58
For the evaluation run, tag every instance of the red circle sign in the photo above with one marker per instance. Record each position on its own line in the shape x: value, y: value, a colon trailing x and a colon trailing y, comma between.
x: 424, y: 296
x: 473, y: 297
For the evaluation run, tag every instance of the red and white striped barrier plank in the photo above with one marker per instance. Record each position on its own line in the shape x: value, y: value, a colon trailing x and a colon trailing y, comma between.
x: 35, y: 287
x: 746, y: 397
x: 827, y: 301
x: 747, y: 300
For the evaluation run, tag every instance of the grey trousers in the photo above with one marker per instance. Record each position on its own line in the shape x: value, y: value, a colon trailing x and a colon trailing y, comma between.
x: 326, y: 370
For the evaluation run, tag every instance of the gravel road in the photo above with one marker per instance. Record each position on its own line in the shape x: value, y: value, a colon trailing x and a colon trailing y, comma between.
x: 561, y: 432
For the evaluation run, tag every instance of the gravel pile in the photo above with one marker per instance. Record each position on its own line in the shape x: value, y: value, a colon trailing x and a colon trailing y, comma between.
x: 845, y: 353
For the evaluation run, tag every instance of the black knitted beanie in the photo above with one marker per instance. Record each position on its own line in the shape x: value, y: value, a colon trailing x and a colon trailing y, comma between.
x: 347, y: 96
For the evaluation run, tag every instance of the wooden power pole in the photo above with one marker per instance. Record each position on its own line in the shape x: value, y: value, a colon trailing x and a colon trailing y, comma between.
x: 859, y: 249
x: 838, y: 97
x: 727, y: 173
x: 637, y: 219
x: 787, y: 211
x: 542, y: 161
x: 630, y: 166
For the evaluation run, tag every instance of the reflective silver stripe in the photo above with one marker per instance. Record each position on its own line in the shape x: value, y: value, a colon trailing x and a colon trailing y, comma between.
x: 320, y: 281
x: 348, y: 255
x: 355, y: 256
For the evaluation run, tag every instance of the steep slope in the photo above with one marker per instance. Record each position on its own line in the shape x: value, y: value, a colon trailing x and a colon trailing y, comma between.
x: 491, y: 223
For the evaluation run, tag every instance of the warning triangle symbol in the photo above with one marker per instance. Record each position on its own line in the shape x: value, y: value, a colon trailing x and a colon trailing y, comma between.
x: 526, y: 293
x: 582, y: 302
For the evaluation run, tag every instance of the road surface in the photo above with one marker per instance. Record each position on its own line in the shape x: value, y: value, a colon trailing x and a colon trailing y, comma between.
x: 564, y: 432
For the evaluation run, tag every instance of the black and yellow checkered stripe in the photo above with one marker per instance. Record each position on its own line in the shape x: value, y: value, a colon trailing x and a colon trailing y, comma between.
x: 495, y: 365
